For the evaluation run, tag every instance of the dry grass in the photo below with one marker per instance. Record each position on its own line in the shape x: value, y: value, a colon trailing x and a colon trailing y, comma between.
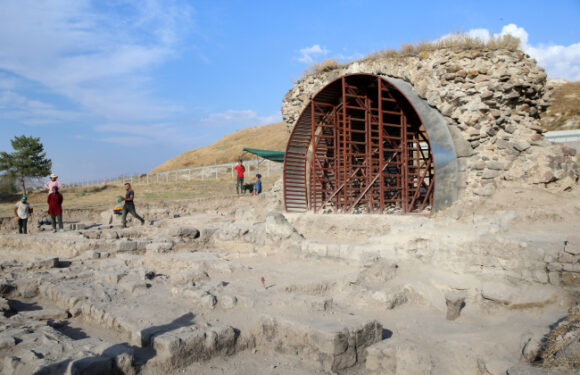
x: 228, y: 149
x: 564, y: 112
x: 455, y: 42
x: 103, y: 197
x: 556, y: 352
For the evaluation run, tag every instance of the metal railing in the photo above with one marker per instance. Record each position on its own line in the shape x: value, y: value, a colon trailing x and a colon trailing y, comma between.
x: 207, y: 172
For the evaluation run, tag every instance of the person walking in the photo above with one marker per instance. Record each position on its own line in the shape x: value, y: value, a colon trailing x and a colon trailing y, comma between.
x: 129, y: 206
x: 22, y: 211
x: 53, y: 182
x: 55, y: 208
x: 240, y: 169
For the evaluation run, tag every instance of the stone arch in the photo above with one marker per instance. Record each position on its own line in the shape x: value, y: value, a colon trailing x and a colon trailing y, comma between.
x: 368, y: 143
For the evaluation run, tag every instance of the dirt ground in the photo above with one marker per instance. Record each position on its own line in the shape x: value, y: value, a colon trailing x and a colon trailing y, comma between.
x: 346, y: 294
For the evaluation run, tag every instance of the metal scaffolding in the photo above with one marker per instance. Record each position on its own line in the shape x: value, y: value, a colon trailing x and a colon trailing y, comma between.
x: 359, y: 145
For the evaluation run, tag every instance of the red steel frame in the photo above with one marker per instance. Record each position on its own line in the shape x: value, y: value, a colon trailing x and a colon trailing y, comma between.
x: 366, y: 150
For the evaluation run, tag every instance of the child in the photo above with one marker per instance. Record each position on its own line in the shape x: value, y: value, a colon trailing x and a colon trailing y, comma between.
x: 55, y: 208
x: 258, y: 185
x: 22, y: 210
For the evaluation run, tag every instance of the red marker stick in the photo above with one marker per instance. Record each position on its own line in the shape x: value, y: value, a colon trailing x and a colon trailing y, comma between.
x: 263, y: 282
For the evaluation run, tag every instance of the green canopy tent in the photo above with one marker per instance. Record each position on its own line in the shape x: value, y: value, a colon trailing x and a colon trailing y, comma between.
x: 276, y: 156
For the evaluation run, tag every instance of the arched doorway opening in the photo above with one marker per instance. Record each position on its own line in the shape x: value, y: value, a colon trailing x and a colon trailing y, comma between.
x: 360, y: 146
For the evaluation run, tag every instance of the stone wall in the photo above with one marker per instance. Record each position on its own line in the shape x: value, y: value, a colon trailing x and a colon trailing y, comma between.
x: 491, y: 100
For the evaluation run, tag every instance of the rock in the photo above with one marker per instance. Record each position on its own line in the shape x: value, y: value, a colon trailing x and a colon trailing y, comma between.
x: 462, y: 146
x: 570, y: 278
x: 228, y: 302
x: 189, y: 277
x: 455, y: 303
x: 46, y: 314
x: 489, y: 174
x: 391, y: 298
x: 527, y: 370
x: 278, y: 227
x: 208, y: 301
x: 518, y: 298
x: 7, y: 342
x: 160, y: 247
x: 184, y: 232
x: 91, y: 366
x: 4, y: 305
x: 554, y: 278
x: 532, y: 348
x: 495, y: 165
x: 484, y: 191
x: 521, y: 145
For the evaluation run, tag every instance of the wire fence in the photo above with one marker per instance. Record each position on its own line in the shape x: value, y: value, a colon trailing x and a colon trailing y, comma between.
x: 208, y: 172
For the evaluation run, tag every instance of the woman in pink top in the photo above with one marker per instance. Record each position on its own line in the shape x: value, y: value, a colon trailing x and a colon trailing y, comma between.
x: 52, y: 182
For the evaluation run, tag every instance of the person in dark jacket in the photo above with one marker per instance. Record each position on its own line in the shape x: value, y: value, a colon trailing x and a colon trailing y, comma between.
x: 55, y: 208
x: 129, y: 206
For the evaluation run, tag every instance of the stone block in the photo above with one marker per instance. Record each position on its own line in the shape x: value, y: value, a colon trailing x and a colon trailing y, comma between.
x: 189, y: 277
x: 573, y: 248
x: 489, y: 174
x: 7, y: 342
x: 184, y: 232
x: 126, y: 245
x: 331, y: 344
x: 570, y: 278
x: 554, y: 267
x: 521, y: 145
x: 455, y: 303
x: 568, y: 267
x: 46, y: 314
x: 554, y: 278
x: 90, y: 366
x: 564, y: 257
x: 495, y: 165
x: 528, y: 370
x: 159, y: 247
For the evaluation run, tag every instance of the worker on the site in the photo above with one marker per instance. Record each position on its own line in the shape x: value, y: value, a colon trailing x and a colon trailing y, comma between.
x: 55, y: 208
x: 258, y: 185
x: 240, y: 169
x: 129, y: 206
x: 53, y: 182
x: 22, y: 211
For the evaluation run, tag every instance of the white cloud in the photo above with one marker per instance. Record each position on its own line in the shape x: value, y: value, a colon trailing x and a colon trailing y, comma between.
x: 309, y: 54
x: 559, y: 61
x: 92, y: 52
x: 14, y: 106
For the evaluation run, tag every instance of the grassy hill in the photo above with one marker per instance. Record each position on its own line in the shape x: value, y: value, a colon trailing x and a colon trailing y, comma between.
x: 228, y: 149
x: 564, y: 111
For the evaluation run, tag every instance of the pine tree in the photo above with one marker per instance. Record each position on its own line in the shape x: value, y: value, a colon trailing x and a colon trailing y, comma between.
x: 27, y: 160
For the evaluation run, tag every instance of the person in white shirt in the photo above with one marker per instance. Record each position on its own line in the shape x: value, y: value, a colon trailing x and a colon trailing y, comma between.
x: 22, y: 211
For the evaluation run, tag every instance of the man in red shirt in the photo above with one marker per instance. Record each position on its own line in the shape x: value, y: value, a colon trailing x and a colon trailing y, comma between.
x: 240, y: 179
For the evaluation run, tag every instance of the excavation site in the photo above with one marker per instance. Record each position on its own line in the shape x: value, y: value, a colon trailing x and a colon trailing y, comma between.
x: 421, y: 224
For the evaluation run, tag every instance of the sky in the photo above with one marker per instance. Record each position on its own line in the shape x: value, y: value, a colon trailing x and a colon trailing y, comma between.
x: 117, y: 87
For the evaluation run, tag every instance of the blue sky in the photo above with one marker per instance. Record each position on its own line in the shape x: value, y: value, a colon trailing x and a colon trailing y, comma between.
x: 120, y: 86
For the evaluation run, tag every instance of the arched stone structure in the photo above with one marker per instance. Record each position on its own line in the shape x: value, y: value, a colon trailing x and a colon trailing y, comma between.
x: 369, y: 143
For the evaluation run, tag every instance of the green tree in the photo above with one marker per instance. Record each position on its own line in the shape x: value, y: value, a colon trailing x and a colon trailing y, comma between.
x: 27, y: 160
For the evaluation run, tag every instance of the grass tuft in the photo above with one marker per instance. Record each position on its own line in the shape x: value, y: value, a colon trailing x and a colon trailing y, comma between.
x: 455, y: 42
